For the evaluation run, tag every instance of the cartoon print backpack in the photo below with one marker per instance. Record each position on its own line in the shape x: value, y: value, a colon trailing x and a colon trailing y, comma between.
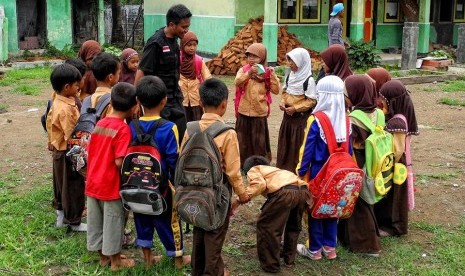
x: 142, y: 174
x: 240, y: 90
x: 198, y: 66
x: 337, y: 185
x: 80, y: 136
x: 202, y: 197
x: 379, y: 158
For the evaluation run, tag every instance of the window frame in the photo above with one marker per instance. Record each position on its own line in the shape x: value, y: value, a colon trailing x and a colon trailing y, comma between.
x: 388, y: 20
x: 460, y: 20
x: 299, y: 12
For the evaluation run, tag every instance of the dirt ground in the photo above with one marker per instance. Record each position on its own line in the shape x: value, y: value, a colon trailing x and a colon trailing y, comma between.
x: 438, y: 157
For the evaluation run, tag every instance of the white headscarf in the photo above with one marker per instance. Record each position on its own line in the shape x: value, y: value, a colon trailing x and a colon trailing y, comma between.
x: 295, y: 83
x: 330, y: 100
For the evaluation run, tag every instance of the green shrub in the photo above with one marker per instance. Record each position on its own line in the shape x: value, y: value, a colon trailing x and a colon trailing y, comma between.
x: 363, y: 55
x: 68, y: 51
x: 108, y: 48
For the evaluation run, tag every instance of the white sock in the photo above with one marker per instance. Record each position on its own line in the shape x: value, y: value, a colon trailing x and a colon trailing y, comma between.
x: 60, y: 216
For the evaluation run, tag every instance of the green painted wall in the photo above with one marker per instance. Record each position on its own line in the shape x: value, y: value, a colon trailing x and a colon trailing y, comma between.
x: 4, y: 40
x: 246, y: 9
x: 388, y: 35
x: 204, y: 7
x: 59, y: 25
x: 315, y: 36
x: 10, y: 13
x: 213, y: 32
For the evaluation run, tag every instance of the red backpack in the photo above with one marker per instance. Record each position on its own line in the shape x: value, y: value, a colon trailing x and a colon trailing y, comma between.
x: 198, y: 66
x: 336, y: 187
x: 240, y: 90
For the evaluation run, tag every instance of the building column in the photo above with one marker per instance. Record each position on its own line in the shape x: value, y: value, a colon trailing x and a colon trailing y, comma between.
x: 270, y: 30
x: 356, y: 21
x: 59, y: 23
x: 424, y: 26
x: 101, y: 22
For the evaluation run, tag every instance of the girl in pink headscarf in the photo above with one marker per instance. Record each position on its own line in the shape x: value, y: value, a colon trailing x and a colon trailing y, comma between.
x: 130, y: 63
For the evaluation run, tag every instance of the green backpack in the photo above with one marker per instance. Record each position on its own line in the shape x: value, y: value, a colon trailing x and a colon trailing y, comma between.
x: 379, y: 158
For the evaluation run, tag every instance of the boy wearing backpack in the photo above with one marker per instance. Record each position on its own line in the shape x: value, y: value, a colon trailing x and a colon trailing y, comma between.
x: 287, y: 198
x: 68, y: 185
x: 151, y: 95
x: 108, y: 146
x: 207, y: 245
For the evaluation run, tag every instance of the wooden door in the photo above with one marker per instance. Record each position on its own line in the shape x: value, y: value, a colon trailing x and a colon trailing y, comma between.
x: 368, y: 21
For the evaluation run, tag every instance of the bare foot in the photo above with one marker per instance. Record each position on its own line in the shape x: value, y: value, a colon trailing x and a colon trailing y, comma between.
x: 153, y: 261
x: 124, y: 263
x: 226, y: 272
x: 104, y: 261
x: 181, y: 262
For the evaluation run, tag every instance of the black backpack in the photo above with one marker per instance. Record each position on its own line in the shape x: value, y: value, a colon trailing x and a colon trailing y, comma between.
x: 81, y: 133
x: 43, y: 118
x: 142, y: 174
x: 202, y: 197
x: 305, y: 84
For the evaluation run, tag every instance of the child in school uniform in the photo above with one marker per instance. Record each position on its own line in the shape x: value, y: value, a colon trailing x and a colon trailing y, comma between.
x: 87, y: 52
x: 380, y: 76
x: 191, y: 76
x: 68, y: 185
x: 298, y: 98
x: 129, y: 65
x: 253, y: 103
x: 313, y: 155
x: 287, y: 198
x: 359, y: 233
x: 106, y: 150
x: 336, y: 62
x: 151, y: 95
x: 392, y: 211
x: 106, y: 68
x: 207, y: 245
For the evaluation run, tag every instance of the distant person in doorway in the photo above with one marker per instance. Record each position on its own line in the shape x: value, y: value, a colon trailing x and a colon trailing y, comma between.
x: 335, y: 26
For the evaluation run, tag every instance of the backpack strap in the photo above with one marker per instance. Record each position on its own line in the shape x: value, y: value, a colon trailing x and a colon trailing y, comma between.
x: 193, y: 128
x: 305, y: 84
x: 198, y: 67
x: 328, y: 130
x: 366, y: 121
x: 86, y: 104
x: 142, y: 137
x: 217, y: 128
x: 102, y: 103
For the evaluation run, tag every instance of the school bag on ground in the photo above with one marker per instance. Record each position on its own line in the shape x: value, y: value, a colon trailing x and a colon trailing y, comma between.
x: 337, y: 185
x: 80, y: 136
x: 142, y: 174
x: 379, y: 158
x: 202, y: 196
x: 240, y: 90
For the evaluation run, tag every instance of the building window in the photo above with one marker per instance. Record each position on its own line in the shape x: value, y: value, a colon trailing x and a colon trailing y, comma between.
x: 299, y: 11
x: 392, y: 11
x: 459, y: 11
x: 445, y: 11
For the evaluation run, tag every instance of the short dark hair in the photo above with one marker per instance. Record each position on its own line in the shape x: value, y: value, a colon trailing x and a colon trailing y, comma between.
x: 103, y: 65
x: 213, y: 92
x: 64, y: 74
x: 177, y: 13
x: 253, y: 161
x: 123, y: 96
x: 78, y: 63
x: 150, y: 91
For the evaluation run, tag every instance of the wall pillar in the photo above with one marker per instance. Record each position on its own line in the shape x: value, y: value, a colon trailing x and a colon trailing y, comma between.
x: 409, y: 45
x: 59, y: 23
x: 3, y: 36
x: 101, y: 22
x: 270, y: 31
x: 356, y: 21
x: 461, y: 44
x: 424, y: 26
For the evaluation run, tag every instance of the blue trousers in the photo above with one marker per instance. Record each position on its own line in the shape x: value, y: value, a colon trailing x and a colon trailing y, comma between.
x: 167, y: 225
x: 322, y: 232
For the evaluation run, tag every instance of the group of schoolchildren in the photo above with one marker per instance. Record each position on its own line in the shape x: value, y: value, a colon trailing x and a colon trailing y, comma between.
x: 302, y: 152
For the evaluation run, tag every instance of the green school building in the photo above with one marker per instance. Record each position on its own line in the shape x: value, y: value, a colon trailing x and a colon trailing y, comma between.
x: 380, y: 21
x: 28, y: 24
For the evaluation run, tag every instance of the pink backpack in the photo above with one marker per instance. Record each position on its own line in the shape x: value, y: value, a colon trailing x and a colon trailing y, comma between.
x: 198, y: 66
x: 240, y: 90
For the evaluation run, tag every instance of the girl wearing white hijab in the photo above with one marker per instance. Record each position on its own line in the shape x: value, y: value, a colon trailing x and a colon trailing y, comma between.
x: 313, y: 155
x: 298, y: 98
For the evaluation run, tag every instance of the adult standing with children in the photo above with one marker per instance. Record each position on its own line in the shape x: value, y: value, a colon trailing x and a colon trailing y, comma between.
x: 335, y: 25
x: 161, y: 58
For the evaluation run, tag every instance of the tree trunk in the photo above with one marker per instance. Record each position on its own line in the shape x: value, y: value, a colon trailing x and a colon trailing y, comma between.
x: 117, y: 34
x: 410, y: 9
